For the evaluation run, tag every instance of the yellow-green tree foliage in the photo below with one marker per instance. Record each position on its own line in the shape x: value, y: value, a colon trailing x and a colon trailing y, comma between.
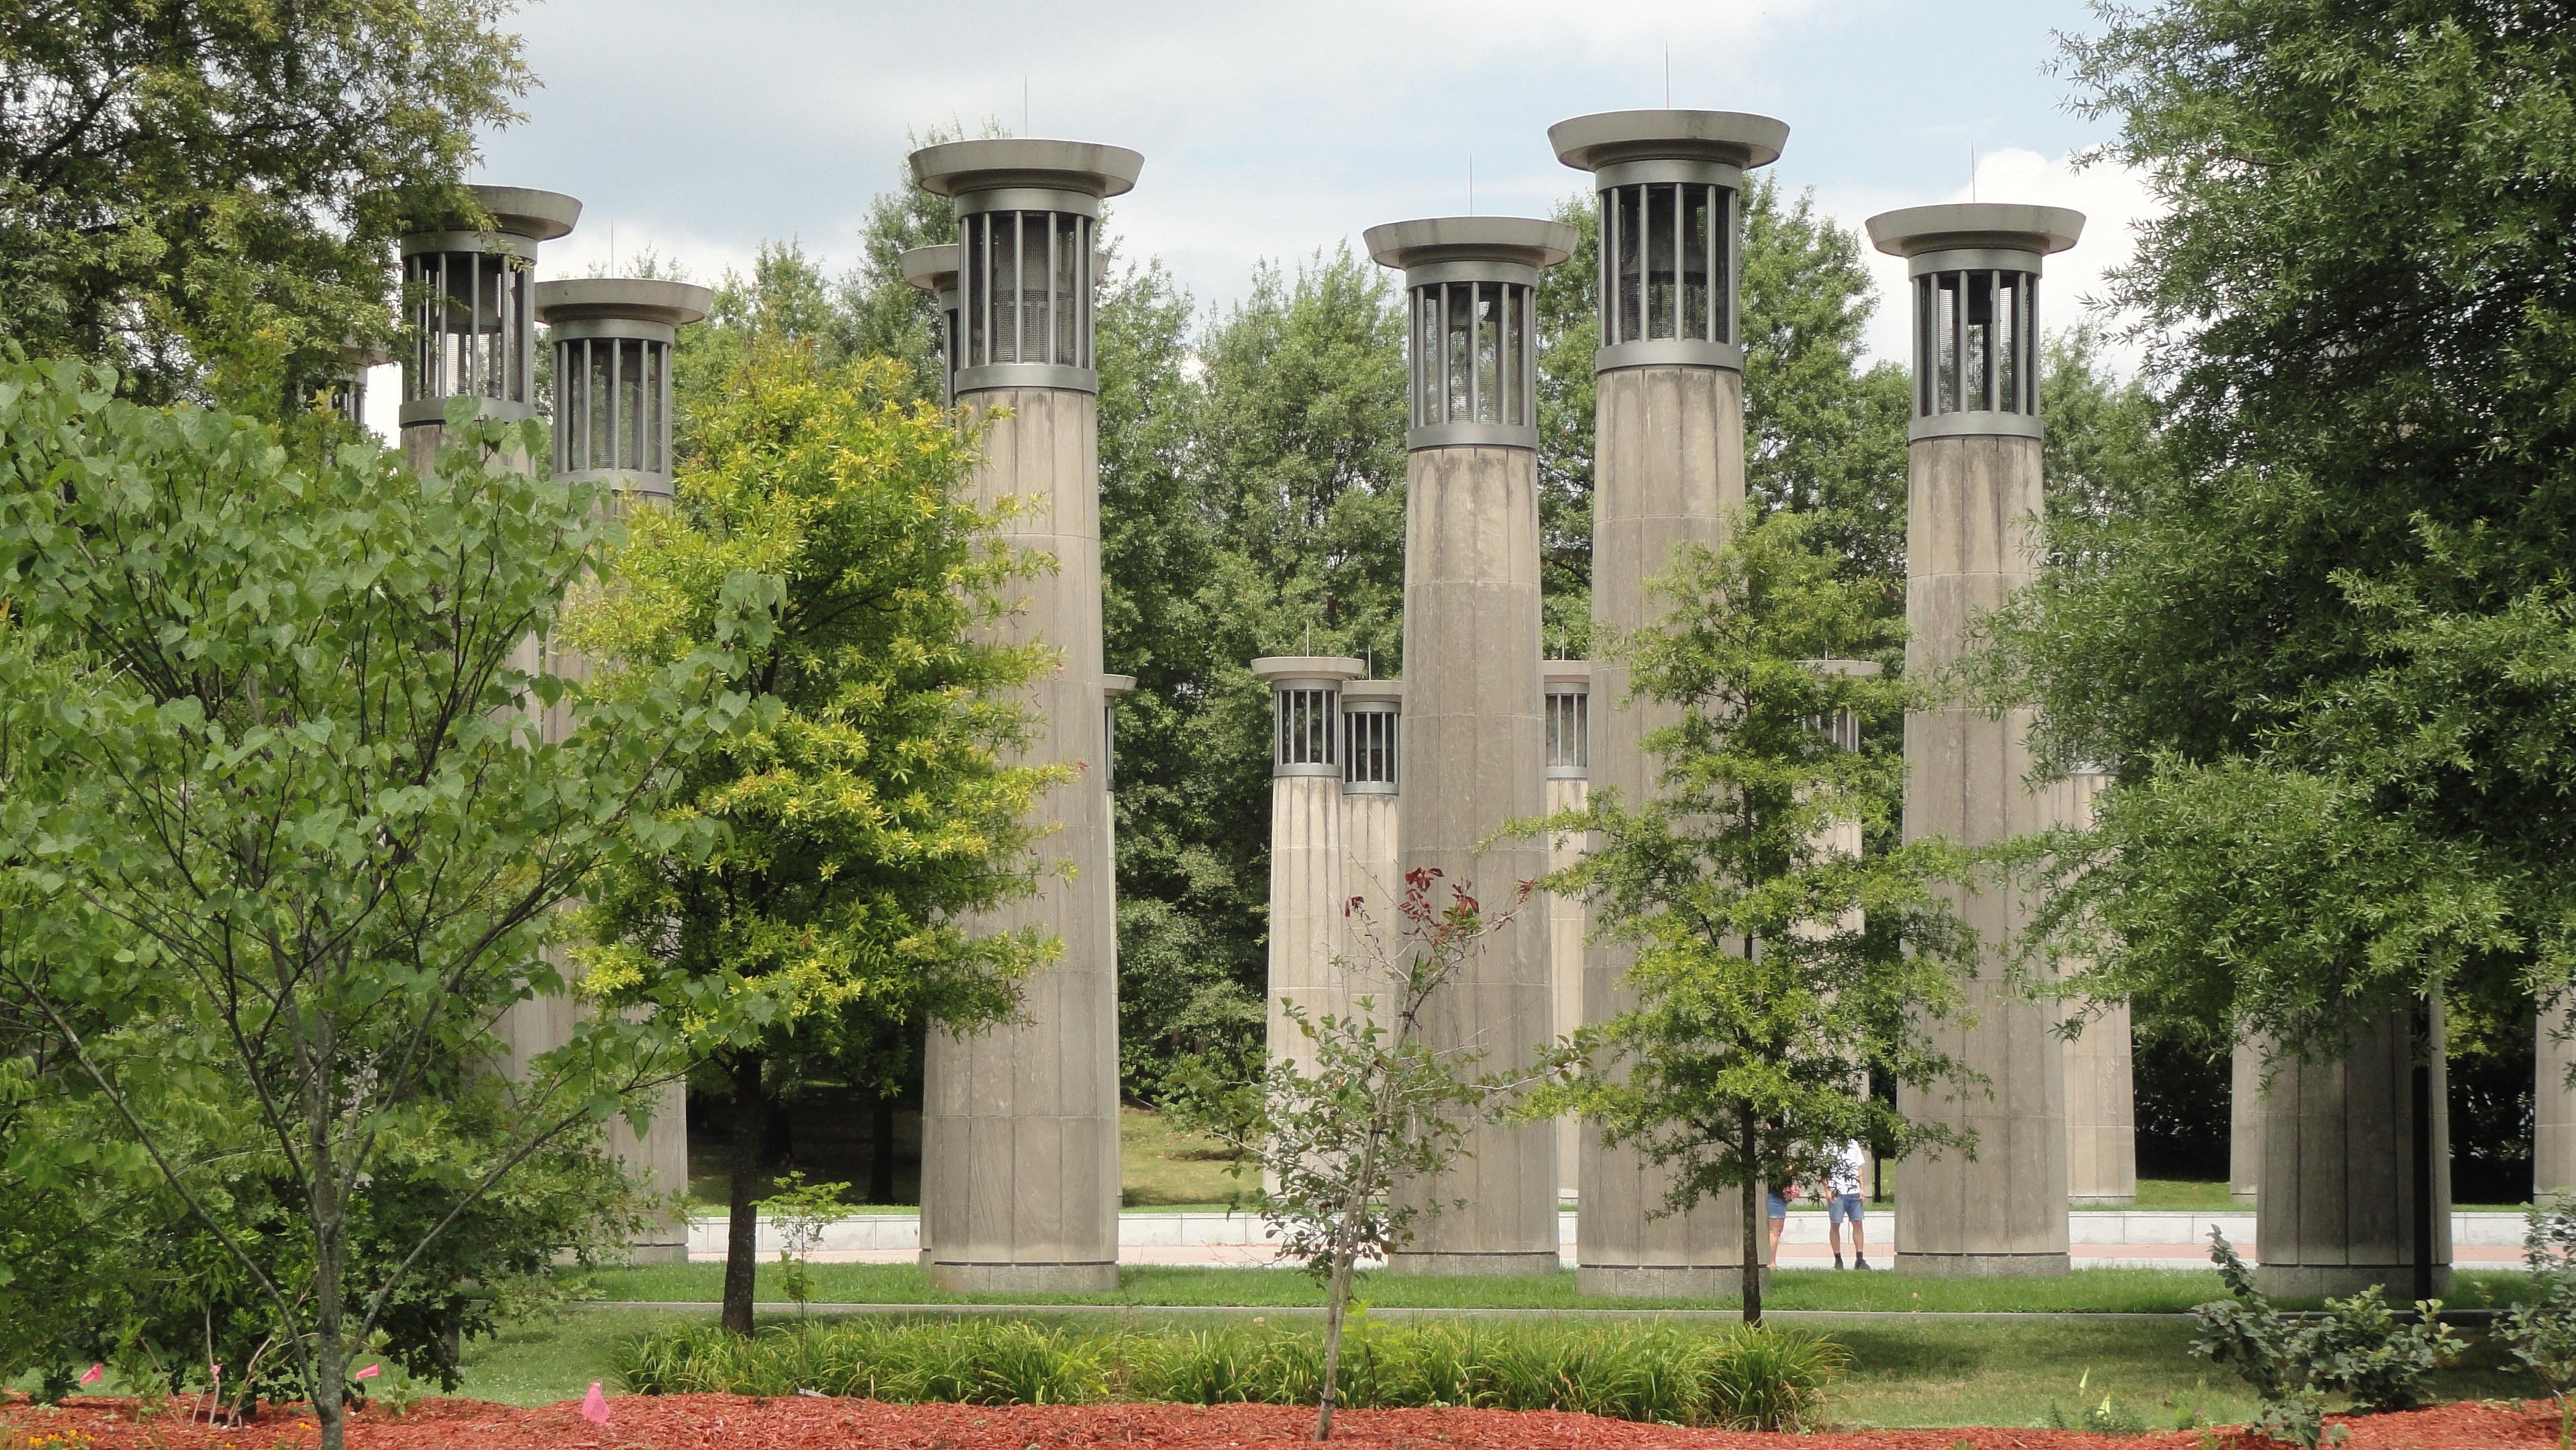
x: 871, y: 807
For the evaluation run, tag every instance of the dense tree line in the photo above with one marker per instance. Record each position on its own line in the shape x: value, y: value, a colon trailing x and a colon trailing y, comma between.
x: 1252, y: 502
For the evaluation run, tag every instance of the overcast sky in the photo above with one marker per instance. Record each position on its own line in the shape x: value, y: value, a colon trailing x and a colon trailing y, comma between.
x: 1269, y: 130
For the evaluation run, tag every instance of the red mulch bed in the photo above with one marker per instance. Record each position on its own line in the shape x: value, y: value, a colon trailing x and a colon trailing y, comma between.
x: 732, y: 1422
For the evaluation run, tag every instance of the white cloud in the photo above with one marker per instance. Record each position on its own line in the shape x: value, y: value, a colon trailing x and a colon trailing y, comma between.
x: 1268, y: 130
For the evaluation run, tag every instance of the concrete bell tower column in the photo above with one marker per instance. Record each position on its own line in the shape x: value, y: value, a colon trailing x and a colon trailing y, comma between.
x: 2101, y: 1082
x: 934, y: 270
x: 470, y: 322
x: 1309, y: 860
x: 469, y: 302
x: 1372, y: 802
x: 613, y: 340
x: 1668, y: 468
x: 1974, y: 499
x: 1474, y: 753
x: 1569, y: 784
x: 1020, y: 1121
x: 2553, y: 1126
x: 2244, y: 1122
x: 2335, y: 1209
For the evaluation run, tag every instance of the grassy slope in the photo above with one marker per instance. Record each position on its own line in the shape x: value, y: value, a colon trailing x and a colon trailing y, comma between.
x: 1928, y: 1373
x: 2096, y: 1290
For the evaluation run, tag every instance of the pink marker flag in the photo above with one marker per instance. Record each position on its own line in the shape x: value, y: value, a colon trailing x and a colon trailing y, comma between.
x: 370, y: 1372
x: 93, y: 1374
x: 594, y: 1406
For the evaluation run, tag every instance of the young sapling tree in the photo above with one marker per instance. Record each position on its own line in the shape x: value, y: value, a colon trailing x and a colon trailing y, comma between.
x: 1373, y: 1103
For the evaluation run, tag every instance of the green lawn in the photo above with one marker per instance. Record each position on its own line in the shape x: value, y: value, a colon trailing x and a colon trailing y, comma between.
x: 1930, y: 1373
x: 1161, y: 1167
x: 1940, y: 1373
x: 2091, y: 1290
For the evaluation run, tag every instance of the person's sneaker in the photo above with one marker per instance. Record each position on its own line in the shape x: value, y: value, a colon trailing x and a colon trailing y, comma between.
x: 1838, y: 1261
x: 1859, y: 1263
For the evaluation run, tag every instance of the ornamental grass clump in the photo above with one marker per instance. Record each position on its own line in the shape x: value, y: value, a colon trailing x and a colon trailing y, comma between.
x: 1755, y: 1379
x: 972, y: 1362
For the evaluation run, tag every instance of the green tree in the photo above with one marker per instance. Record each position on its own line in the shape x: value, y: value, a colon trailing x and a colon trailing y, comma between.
x: 1256, y: 509
x: 2325, y: 639
x: 1776, y: 971
x: 1374, y: 1105
x: 1824, y: 431
x: 1569, y: 330
x: 868, y: 810
x: 213, y: 186
x: 281, y: 841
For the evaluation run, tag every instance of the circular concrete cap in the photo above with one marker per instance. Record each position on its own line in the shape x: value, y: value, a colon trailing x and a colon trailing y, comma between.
x: 1862, y: 669
x: 359, y: 353
x: 631, y: 299
x: 954, y: 168
x: 1566, y: 672
x: 1732, y: 138
x: 1307, y: 667
x: 540, y: 216
x: 932, y: 269
x: 1996, y: 225
x: 1525, y: 240
x: 1116, y: 685
x: 1361, y: 691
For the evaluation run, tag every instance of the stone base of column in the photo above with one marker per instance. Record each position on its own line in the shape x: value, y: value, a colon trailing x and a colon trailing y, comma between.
x: 1450, y: 1265
x: 1661, y: 1281
x: 2101, y: 1200
x: 658, y: 1251
x: 1090, y: 1278
x: 2316, y: 1281
x: 1983, y: 1266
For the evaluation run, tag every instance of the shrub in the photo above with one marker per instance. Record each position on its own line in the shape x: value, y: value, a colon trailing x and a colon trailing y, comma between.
x: 2294, y: 1362
x: 1746, y: 1378
x: 2541, y: 1331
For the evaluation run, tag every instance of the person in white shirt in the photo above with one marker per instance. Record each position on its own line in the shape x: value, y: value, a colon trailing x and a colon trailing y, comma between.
x: 1843, y: 1201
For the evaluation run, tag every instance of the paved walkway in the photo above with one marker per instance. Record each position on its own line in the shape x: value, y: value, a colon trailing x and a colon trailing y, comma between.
x: 2098, y: 1239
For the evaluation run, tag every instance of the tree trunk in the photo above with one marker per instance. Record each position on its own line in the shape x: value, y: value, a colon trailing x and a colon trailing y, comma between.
x: 2420, y: 1095
x: 881, y: 1172
x: 1757, y: 1226
x: 742, y: 1223
x: 330, y: 1209
x: 1336, y: 1297
x: 330, y: 1377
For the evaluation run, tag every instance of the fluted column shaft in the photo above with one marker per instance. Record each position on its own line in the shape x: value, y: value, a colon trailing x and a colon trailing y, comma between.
x: 1567, y: 918
x: 2553, y: 1127
x: 1669, y: 468
x: 1474, y: 759
x: 1309, y: 877
x: 1020, y: 1121
x: 1973, y: 500
x: 2101, y: 1085
x: 2336, y: 1210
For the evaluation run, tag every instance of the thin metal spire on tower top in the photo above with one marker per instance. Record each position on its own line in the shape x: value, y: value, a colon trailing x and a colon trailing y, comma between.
x: 1471, y: 183
x: 1668, y: 75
